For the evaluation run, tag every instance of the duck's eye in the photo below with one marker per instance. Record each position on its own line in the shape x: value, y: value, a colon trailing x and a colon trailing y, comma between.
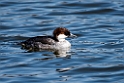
x: 67, y: 33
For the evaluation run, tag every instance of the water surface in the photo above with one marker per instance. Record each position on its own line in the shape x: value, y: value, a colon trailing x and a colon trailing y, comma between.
x: 97, y: 53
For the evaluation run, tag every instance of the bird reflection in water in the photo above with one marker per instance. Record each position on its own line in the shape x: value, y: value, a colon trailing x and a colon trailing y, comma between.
x: 62, y: 52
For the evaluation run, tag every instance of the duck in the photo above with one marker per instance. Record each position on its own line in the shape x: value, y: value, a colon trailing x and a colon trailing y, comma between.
x: 57, y: 41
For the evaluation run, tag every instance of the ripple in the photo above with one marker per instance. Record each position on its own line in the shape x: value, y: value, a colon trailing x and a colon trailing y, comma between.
x: 87, y: 4
x: 97, y: 11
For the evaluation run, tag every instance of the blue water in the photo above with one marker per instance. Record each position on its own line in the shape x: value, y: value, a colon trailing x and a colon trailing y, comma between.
x: 96, y: 55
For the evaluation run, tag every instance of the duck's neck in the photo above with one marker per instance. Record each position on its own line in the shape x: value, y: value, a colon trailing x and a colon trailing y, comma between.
x: 61, y: 40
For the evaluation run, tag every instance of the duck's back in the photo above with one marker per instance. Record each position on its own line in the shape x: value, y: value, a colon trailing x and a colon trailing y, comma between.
x: 34, y: 42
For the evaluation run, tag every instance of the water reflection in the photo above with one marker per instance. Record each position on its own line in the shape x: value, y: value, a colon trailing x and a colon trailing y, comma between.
x: 61, y: 52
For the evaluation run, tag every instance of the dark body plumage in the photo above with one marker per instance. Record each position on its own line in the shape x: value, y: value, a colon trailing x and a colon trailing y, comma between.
x: 34, y: 42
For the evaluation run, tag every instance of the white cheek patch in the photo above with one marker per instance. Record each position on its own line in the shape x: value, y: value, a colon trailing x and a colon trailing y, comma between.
x: 61, y: 36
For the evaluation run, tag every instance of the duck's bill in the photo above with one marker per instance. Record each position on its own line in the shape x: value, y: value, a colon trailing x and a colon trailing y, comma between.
x: 72, y: 35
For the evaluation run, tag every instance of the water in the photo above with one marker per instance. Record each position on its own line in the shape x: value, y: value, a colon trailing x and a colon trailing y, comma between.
x: 97, y: 53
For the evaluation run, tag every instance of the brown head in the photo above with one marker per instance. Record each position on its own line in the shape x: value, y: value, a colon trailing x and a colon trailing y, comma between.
x: 61, y: 30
